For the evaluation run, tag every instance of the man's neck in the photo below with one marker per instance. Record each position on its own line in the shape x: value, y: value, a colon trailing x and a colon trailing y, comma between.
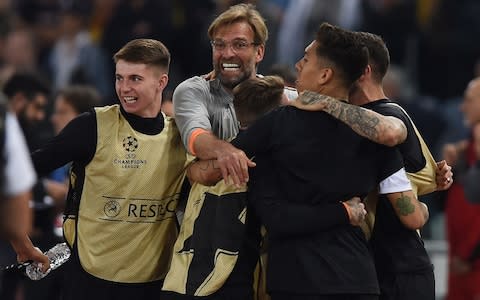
x: 368, y: 93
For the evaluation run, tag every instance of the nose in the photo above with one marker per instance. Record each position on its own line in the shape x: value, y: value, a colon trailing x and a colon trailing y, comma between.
x: 297, y: 66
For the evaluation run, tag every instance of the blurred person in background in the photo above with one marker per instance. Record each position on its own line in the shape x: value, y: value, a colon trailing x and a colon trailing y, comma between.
x: 75, y: 58
x: 28, y: 96
x: 19, y: 53
x: 463, y: 217
x: 15, y: 213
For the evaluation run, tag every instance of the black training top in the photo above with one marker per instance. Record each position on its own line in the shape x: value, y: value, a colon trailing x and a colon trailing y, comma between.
x: 319, y: 160
x: 396, y: 248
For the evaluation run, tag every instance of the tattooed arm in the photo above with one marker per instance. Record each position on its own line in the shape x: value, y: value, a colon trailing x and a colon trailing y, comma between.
x: 411, y: 212
x: 386, y: 130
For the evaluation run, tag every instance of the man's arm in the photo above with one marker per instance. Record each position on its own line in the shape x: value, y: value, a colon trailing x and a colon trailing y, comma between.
x: 381, y: 129
x: 412, y: 213
x: 205, y: 172
x: 232, y: 162
x: 193, y: 120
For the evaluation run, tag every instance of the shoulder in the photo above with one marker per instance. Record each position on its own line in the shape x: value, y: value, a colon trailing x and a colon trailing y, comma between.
x: 196, y: 82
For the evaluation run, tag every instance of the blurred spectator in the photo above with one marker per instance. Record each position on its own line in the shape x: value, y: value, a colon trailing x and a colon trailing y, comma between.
x: 302, y: 18
x: 463, y: 217
x: 75, y: 59
x: 19, y: 53
x: 449, y: 48
x: 425, y: 111
x: 28, y: 96
x: 15, y: 213
x: 286, y: 72
x: 395, y: 21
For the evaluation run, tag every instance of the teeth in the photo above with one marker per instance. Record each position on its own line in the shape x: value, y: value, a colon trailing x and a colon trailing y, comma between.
x: 129, y: 99
x: 230, y: 67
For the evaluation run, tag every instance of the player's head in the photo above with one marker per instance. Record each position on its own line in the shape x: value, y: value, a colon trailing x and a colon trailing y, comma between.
x: 378, y: 55
x: 334, y: 60
x: 141, y: 75
x: 255, y: 97
x: 238, y: 38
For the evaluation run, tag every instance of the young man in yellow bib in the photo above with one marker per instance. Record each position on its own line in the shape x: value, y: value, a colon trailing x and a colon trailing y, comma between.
x: 128, y: 165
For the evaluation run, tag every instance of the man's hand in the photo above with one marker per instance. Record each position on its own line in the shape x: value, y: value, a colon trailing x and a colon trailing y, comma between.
x: 444, y: 175
x: 356, y: 211
x: 233, y: 164
x: 26, y: 251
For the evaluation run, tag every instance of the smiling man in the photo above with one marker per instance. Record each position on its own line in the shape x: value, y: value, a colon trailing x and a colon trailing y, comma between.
x: 128, y: 166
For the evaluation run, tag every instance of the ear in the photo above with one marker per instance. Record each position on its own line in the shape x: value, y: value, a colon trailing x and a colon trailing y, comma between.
x: 367, y: 73
x: 326, y: 74
x: 163, y: 81
x: 260, y: 54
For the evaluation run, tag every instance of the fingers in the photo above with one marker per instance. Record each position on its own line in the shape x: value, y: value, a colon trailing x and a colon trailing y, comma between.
x: 357, y: 211
x: 444, y: 175
x: 234, y: 167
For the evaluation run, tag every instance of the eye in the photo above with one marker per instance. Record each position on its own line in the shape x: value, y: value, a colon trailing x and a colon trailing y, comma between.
x: 218, y: 45
x: 240, y: 45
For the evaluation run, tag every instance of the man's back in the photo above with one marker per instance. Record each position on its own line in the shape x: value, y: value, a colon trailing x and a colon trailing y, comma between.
x: 319, y: 160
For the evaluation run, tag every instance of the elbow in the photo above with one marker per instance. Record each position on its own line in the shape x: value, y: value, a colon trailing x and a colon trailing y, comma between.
x: 415, y: 222
x: 394, y: 137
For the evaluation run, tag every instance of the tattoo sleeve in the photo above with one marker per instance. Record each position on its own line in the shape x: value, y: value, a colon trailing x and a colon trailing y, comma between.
x: 367, y: 123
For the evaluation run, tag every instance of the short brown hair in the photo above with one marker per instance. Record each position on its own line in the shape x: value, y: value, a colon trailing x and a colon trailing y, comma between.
x: 145, y: 51
x: 242, y: 13
x: 256, y: 96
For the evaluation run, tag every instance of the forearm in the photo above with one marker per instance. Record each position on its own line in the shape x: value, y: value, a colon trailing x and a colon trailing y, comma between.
x: 381, y: 129
x: 205, y: 172
x: 208, y: 146
x: 16, y: 216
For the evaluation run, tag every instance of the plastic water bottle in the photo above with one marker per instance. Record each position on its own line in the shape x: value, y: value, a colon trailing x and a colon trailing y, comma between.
x: 57, y: 255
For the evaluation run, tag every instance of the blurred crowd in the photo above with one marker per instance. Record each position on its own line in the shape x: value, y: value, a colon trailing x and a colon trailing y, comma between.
x: 69, y: 45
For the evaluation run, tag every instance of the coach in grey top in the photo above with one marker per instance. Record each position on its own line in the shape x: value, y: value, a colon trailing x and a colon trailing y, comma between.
x: 200, y: 103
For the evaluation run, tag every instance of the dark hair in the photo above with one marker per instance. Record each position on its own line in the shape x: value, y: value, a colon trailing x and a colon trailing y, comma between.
x: 81, y: 97
x: 341, y: 48
x: 378, y: 55
x: 28, y: 83
x: 145, y: 51
x: 256, y: 96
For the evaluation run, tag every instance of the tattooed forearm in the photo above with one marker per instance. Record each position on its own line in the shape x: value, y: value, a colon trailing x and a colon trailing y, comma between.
x: 404, y: 205
x: 367, y: 123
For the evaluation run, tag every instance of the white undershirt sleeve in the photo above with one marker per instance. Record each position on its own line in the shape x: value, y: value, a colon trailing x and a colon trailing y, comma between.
x: 395, y: 183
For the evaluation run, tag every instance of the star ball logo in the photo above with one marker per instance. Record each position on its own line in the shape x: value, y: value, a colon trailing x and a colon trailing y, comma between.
x: 130, y: 144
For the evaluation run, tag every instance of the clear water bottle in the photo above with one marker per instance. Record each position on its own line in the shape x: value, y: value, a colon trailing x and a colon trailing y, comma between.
x: 57, y: 255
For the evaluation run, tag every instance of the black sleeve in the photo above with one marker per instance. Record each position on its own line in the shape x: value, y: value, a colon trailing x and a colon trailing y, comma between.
x: 257, y: 138
x: 391, y: 161
x: 76, y: 142
x: 411, y: 148
x: 283, y: 219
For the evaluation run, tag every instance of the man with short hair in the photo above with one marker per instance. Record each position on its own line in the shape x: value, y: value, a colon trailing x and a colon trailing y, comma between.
x: 128, y: 165
x: 312, y: 264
